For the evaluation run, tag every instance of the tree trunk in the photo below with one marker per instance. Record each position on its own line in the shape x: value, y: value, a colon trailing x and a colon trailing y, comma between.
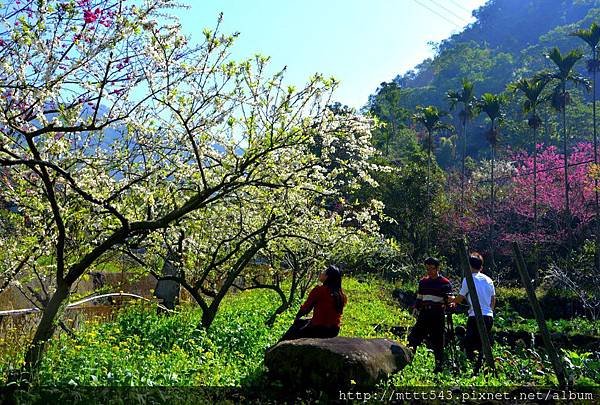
x: 594, y: 54
x: 463, y: 171
x: 45, y: 330
x: 428, y: 187
x: 208, y: 316
x: 208, y: 311
x: 493, y: 214
x: 564, y: 122
x: 535, y: 216
x: 280, y: 310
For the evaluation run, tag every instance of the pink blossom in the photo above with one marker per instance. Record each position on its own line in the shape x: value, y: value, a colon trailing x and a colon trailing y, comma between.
x: 118, y: 92
x: 514, y: 206
x: 90, y: 16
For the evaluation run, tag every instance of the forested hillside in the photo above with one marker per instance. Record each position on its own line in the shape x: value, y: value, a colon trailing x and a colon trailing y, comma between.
x: 458, y: 132
x: 506, y: 42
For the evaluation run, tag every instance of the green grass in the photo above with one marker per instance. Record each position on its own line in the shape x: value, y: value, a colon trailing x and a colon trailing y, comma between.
x: 584, y: 326
x: 141, y: 348
x: 371, y: 310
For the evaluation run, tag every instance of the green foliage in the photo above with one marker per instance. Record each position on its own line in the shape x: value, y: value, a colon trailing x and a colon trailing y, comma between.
x: 371, y: 311
x: 143, y: 348
x: 430, y: 117
x: 491, y: 105
x: 510, y: 320
x: 514, y: 367
x: 564, y: 63
x: 580, y: 281
x: 403, y: 191
x: 582, y: 367
x: 490, y: 58
x: 532, y: 91
x: 591, y: 36
x: 138, y: 348
x: 392, y: 117
x: 371, y: 254
x: 466, y: 97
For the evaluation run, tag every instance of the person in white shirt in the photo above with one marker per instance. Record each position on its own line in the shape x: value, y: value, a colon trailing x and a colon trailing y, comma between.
x: 487, y: 301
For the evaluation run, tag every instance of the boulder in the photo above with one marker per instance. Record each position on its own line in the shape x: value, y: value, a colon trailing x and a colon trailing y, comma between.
x: 335, y: 363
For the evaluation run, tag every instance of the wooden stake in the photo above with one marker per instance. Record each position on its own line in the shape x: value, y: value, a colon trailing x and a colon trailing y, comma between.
x: 539, y: 317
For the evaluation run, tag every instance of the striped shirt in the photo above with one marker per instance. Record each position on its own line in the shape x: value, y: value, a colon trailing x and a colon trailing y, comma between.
x: 433, y: 291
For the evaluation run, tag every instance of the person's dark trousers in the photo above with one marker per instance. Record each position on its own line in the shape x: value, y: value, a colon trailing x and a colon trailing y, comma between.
x: 472, y: 340
x: 430, y: 325
x: 302, y: 328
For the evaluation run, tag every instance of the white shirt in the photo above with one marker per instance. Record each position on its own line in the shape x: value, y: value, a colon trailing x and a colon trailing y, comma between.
x: 485, y: 291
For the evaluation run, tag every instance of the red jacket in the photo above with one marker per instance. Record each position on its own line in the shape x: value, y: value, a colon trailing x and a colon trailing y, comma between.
x: 322, y: 301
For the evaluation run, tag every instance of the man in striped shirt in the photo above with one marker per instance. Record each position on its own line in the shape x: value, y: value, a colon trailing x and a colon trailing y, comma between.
x: 432, y: 297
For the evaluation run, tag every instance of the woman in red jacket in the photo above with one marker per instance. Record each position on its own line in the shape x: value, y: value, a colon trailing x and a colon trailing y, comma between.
x: 327, y: 302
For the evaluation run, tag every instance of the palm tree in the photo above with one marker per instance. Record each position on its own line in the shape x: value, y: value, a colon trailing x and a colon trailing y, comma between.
x: 560, y: 98
x: 466, y: 97
x: 532, y: 90
x: 430, y: 117
x: 592, y: 37
x: 491, y: 105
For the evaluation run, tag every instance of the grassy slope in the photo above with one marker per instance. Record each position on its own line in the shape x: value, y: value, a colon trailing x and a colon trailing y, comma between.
x: 141, y: 348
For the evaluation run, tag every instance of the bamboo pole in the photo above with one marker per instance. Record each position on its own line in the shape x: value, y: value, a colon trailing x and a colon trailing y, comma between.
x: 483, y: 333
x: 539, y: 316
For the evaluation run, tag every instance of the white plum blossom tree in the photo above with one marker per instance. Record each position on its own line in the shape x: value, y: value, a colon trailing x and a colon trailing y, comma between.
x: 116, y: 132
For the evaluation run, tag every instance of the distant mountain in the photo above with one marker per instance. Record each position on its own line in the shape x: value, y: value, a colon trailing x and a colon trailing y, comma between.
x: 507, y: 41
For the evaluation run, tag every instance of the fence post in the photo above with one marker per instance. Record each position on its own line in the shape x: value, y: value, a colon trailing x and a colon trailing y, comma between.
x: 483, y: 333
x: 539, y: 317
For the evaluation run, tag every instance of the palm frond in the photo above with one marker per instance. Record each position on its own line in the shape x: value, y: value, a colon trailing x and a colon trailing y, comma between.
x: 429, y: 117
x: 579, y: 80
x: 564, y: 63
x: 491, y: 105
x: 546, y: 75
x: 453, y: 98
x: 591, y: 35
x: 532, y: 89
x: 464, y: 96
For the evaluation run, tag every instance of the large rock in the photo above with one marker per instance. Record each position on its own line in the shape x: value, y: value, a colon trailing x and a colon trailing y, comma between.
x: 336, y: 362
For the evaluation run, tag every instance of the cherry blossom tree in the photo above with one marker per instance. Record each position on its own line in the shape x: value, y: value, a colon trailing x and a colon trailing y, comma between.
x: 551, y: 200
x: 515, y: 213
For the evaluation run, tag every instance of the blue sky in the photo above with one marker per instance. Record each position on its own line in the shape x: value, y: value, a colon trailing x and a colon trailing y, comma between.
x: 360, y: 42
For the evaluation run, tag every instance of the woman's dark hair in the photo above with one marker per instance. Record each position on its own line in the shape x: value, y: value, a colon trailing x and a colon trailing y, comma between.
x: 334, y: 282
